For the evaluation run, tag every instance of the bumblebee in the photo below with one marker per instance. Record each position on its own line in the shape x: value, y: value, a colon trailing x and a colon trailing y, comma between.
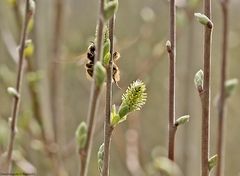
x: 90, y: 64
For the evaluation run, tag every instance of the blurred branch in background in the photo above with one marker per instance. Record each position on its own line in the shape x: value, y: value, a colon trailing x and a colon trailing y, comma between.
x: 56, y: 85
x: 133, y: 146
x: 222, y: 99
x: 56, y: 73
x: 189, y: 11
x: 33, y: 78
x: 29, y: 11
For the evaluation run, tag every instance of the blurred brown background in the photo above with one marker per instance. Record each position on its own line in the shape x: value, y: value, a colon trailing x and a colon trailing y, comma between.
x: 141, y: 33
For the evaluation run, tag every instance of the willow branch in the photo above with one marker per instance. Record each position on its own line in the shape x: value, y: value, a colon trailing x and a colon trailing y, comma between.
x: 16, y: 101
x: 107, y: 124
x: 221, y: 110
x: 55, y: 73
x: 172, y: 67
x: 94, y: 99
x: 205, y: 96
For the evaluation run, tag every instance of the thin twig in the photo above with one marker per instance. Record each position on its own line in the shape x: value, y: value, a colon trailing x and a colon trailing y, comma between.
x: 56, y: 88
x: 37, y: 111
x: 206, y: 93
x: 16, y: 103
x: 56, y: 70
x: 172, y: 65
x: 94, y: 99
x: 221, y: 110
x: 107, y: 124
x: 86, y: 152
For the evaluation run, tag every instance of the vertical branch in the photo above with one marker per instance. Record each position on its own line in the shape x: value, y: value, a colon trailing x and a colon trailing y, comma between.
x: 56, y: 87
x: 221, y: 110
x: 36, y: 105
x: 187, y: 93
x: 205, y: 97
x: 107, y: 124
x: 55, y: 73
x: 94, y: 98
x: 16, y: 101
x: 133, y: 148
x: 171, y: 48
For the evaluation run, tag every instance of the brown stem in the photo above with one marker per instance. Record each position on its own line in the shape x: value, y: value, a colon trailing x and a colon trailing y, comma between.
x: 16, y: 102
x: 221, y: 110
x: 86, y: 152
x: 107, y: 145
x: 172, y: 59
x: 95, y: 92
x: 205, y: 96
x: 107, y: 124
x: 55, y: 74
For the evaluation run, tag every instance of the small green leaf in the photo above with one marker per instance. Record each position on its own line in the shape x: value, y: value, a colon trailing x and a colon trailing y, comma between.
x: 81, y: 135
x: 106, y: 52
x: 100, y: 73
x: 119, y: 117
x: 110, y: 9
x: 106, y: 48
x: 106, y: 59
x: 114, y: 116
x: 212, y: 162
x: 123, y: 111
x: 182, y: 120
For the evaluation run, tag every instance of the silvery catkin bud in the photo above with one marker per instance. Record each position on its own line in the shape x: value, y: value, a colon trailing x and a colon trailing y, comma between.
x: 198, y: 80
